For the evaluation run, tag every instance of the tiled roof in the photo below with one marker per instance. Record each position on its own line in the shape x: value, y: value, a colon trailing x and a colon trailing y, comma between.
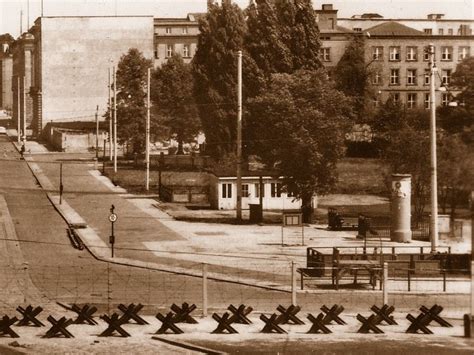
x: 392, y: 29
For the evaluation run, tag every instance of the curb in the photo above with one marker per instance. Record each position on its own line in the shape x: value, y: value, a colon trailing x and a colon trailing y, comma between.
x: 184, y: 345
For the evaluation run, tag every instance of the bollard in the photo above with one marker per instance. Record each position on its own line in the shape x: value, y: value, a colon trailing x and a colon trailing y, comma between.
x: 468, y: 322
x: 204, y: 290
x: 385, y: 283
x: 293, y: 283
x: 95, y: 164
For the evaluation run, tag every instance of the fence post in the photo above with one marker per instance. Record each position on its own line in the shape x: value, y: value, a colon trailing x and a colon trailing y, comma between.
x: 293, y: 283
x: 204, y: 290
x: 385, y: 283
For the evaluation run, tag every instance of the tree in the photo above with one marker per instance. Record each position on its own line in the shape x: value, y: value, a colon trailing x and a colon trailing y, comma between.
x: 302, y: 123
x: 406, y: 147
x: 173, y: 100
x: 131, y: 107
x: 221, y: 36
x: 461, y: 119
x: 463, y: 80
x: 455, y: 171
x: 264, y: 39
x: 352, y: 76
x: 299, y: 32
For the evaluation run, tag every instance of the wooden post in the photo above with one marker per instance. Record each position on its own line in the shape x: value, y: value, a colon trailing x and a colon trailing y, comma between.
x: 239, y: 136
x: 147, y: 134
x: 204, y: 290
x: 385, y: 283
x: 293, y: 283
x: 61, y: 187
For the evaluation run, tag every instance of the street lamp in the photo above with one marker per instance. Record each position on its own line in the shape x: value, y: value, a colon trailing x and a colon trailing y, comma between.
x: 434, y: 180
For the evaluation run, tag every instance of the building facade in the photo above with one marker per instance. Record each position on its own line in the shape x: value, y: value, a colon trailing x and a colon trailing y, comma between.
x: 395, y: 52
x: 175, y: 36
x: 62, y: 65
x: 6, y: 68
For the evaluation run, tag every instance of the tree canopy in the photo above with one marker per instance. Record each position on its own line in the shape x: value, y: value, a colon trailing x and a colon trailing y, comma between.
x: 131, y: 99
x: 352, y: 76
x: 173, y: 100
x: 222, y: 33
x: 302, y: 123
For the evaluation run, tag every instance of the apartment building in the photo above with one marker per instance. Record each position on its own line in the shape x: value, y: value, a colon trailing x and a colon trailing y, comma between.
x: 175, y: 35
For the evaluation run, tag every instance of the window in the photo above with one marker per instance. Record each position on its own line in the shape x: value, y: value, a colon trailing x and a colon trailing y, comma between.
x: 412, y: 53
x: 186, y: 52
x: 446, y: 76
x: 377, y: 79
x: 441, y: 31
x: 450, y: 31
x: 394, y: 77
x: 446, y: 53
x: 375, y: 101
x: 325, y: 54
x: 427, y: 77
x: 226, y: 190
x: 168, y: 30
x: 377, y: 53
x: 428, y: 31
x: 395, y: 96
x: 427, y: 100
x: 463, y: 52
x: 411, y: 76
x: 257, y: 190
x: 275, y: 189
x: 394, y: 53
x: 185, y: 30
x: 169, y: 50
x: 445, y: 99
x: 245, y: 190
x: 411, y: 100
x: 156, y: 53
x: 426, y: 53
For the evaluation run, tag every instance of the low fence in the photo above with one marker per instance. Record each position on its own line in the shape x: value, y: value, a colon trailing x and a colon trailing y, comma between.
x: 185, y: 194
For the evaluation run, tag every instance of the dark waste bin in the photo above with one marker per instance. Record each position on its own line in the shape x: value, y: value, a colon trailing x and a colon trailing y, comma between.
x: 256, y: 213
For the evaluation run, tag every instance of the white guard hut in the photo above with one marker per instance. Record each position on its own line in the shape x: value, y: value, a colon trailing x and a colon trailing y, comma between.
x: 223, y: 193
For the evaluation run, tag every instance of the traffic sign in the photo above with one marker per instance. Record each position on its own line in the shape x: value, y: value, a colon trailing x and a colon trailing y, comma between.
x: 113, y: 217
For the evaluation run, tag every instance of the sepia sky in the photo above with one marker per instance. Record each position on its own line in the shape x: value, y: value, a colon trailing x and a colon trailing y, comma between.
x: 10, y: 9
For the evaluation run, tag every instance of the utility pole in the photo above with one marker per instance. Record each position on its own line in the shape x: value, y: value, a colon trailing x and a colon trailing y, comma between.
x: 24, y: 109
x: 239, y: 136
x: 18, y: 116
x: 110, y: 119
x: 41, y: 8
x: 97, y: 132
x: 27, y: 14
x: 115, y: 121
x: 434, y: 179
x: 147, y: 133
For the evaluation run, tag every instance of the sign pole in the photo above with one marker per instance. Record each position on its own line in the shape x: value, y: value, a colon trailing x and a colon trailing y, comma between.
x: 112, y: 219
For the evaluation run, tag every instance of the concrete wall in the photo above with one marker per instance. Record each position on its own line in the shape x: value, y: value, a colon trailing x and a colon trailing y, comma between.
x: 76, y: 53
x: 75, y: 142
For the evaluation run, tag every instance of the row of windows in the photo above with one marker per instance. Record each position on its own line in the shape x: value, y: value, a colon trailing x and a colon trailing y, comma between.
x: 462, y: 30
x: 412, y: 99
x: 275, y: 190
x: 170, y: 50
x: 411, y: 77
x: 170, y: 30
x: 410, y: 56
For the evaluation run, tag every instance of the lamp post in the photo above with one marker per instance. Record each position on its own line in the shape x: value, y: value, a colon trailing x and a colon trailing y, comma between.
x: 433, y: 168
